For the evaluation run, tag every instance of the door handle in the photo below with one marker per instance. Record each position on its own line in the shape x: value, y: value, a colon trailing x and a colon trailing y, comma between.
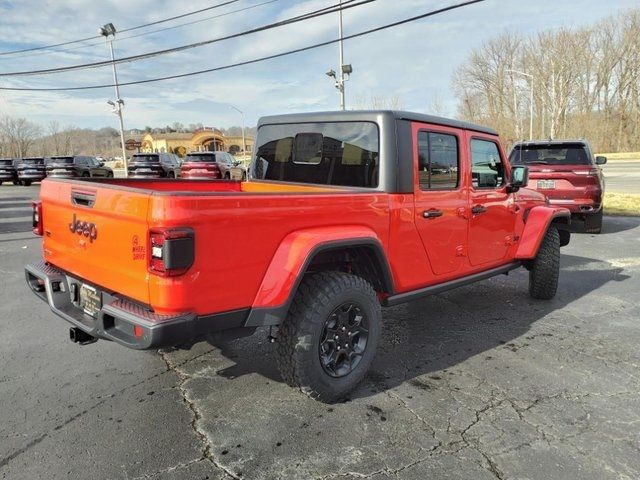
x: 432, y: 213
x: 478, y: 209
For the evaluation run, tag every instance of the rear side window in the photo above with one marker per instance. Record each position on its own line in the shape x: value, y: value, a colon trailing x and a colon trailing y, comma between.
x: 437, y: 161
x: 556, y: 154
x: 327, y: 153
x: 487, y: 170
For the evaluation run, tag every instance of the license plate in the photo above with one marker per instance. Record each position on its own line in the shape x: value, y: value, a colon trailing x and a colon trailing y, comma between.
x: 547, y: 184
x: 31, y: 171
x: 199, y: 170
x: 145, y: 170
x: 90, y: 300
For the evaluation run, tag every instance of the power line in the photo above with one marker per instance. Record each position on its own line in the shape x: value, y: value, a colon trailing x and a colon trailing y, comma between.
x: 261, y: 59
x: 80, y: 40
x: 313, y: 14
x: 151, y: 32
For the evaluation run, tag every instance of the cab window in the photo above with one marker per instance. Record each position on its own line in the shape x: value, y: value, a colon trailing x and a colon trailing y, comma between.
x: 487, y: 169
x: 438, y: 161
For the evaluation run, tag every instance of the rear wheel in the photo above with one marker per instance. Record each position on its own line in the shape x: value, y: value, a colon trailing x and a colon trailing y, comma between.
x: 109, y: 174
x: 26, y: 183
x: 227, y: 176
x: 329, y: 338
x: 16, y: 182
x: 86, y: 174
x: 545, y: 268
x: 593, y: 222
x: 171, y: 175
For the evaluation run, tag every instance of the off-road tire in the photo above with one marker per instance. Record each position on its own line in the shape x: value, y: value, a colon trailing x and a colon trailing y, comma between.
x: 109, y: 174
x: 86, y: 175
x: 26, y: 183
x: 299, y: 336
x: 593, y: 222
x: 545, y: 268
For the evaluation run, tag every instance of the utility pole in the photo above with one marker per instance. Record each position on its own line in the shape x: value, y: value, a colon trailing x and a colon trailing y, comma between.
x: 531, y: 79
x: 345, y: 70
x: 108, y: 31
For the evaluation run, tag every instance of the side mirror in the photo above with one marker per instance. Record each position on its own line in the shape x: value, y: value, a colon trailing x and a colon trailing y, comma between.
x: 519, y: 178
x: 101, y: 164
x: 601, y: 160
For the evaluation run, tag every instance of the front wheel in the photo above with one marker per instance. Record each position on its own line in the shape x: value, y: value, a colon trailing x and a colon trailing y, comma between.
x: 86, y: 174
x: 26, y: 183
x: 545, y: 268
x: 329, y: 338
x: 593, y: 222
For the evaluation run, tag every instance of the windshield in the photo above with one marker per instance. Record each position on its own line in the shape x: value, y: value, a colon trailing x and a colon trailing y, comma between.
x: 331, y: 153
x: 557, y: 154
x: 146, y: 158
x: 33, y: 161
x: 202, y: 157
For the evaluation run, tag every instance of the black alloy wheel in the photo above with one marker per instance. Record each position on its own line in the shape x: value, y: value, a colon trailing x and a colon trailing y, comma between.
x: 344, y: 340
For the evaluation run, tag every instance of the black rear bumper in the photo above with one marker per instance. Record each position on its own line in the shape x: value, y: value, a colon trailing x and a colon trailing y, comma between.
x: 122, y: 321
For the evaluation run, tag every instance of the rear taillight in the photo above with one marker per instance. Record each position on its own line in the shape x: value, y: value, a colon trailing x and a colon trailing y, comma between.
x: 586, y: 172
x: 172, y: 251
x: 37, y: 218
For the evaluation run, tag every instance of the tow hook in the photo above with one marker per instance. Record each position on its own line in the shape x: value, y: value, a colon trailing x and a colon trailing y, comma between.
x: 77, y: 335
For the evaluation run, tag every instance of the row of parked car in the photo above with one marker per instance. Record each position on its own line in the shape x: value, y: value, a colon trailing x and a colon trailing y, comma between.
x: 196, y: 165
x: 25, y: 171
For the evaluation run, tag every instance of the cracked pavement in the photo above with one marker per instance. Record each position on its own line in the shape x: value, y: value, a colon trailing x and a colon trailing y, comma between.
x: 478, y: 383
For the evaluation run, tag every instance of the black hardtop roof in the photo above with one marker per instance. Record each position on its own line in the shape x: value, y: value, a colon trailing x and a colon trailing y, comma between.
x: 373, y: 116
x: 535, y: 143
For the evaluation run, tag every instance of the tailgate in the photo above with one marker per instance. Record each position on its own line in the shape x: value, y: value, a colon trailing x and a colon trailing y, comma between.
x: 98, y: 234
x: 566, y: 182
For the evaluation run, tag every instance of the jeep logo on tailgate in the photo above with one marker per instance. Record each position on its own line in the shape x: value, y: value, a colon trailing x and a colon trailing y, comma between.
x: 87, y: 229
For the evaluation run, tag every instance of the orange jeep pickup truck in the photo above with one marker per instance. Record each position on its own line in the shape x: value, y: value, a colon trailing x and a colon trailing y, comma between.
x: 343, y: 213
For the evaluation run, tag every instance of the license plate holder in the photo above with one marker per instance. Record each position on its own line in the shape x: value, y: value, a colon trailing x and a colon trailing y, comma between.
x: 547, y: 184
x: 90, y: 300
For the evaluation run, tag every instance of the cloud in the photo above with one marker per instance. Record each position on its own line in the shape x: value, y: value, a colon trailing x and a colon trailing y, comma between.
x: 414, y: 61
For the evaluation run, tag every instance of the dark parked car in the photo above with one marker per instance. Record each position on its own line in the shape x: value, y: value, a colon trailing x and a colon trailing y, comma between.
x: 30, y: 170
x: 154, y: 165
x: 208, y: 165
x: 77, y: 166
x: 8, y: 171
x: 567, y: 172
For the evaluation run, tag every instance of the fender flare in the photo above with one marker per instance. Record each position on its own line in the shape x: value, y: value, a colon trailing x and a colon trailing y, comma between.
x: 291, y: 259
x: 537, y: 223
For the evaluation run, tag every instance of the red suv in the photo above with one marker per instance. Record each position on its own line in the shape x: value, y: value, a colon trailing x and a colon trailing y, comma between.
x: 208, y: 165
x: 568, y: 174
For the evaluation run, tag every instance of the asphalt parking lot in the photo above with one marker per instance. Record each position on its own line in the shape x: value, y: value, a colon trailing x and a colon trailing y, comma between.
x: 478, y: 383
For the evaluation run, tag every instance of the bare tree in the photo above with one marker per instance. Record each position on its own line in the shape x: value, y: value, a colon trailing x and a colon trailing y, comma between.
x: 586, y: 83
x: 19, y: 135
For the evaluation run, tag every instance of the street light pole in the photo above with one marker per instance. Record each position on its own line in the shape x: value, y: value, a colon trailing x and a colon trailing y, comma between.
x: 531, y: 80
x: 108, y: 31
x: 345, y: 70
x: 244, y: 142
x: 341, y: 46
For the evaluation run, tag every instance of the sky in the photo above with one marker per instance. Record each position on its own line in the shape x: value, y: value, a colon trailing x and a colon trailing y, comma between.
x: 414, y: 62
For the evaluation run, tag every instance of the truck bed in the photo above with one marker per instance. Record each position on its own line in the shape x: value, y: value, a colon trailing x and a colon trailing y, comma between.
x: 238, y: 227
